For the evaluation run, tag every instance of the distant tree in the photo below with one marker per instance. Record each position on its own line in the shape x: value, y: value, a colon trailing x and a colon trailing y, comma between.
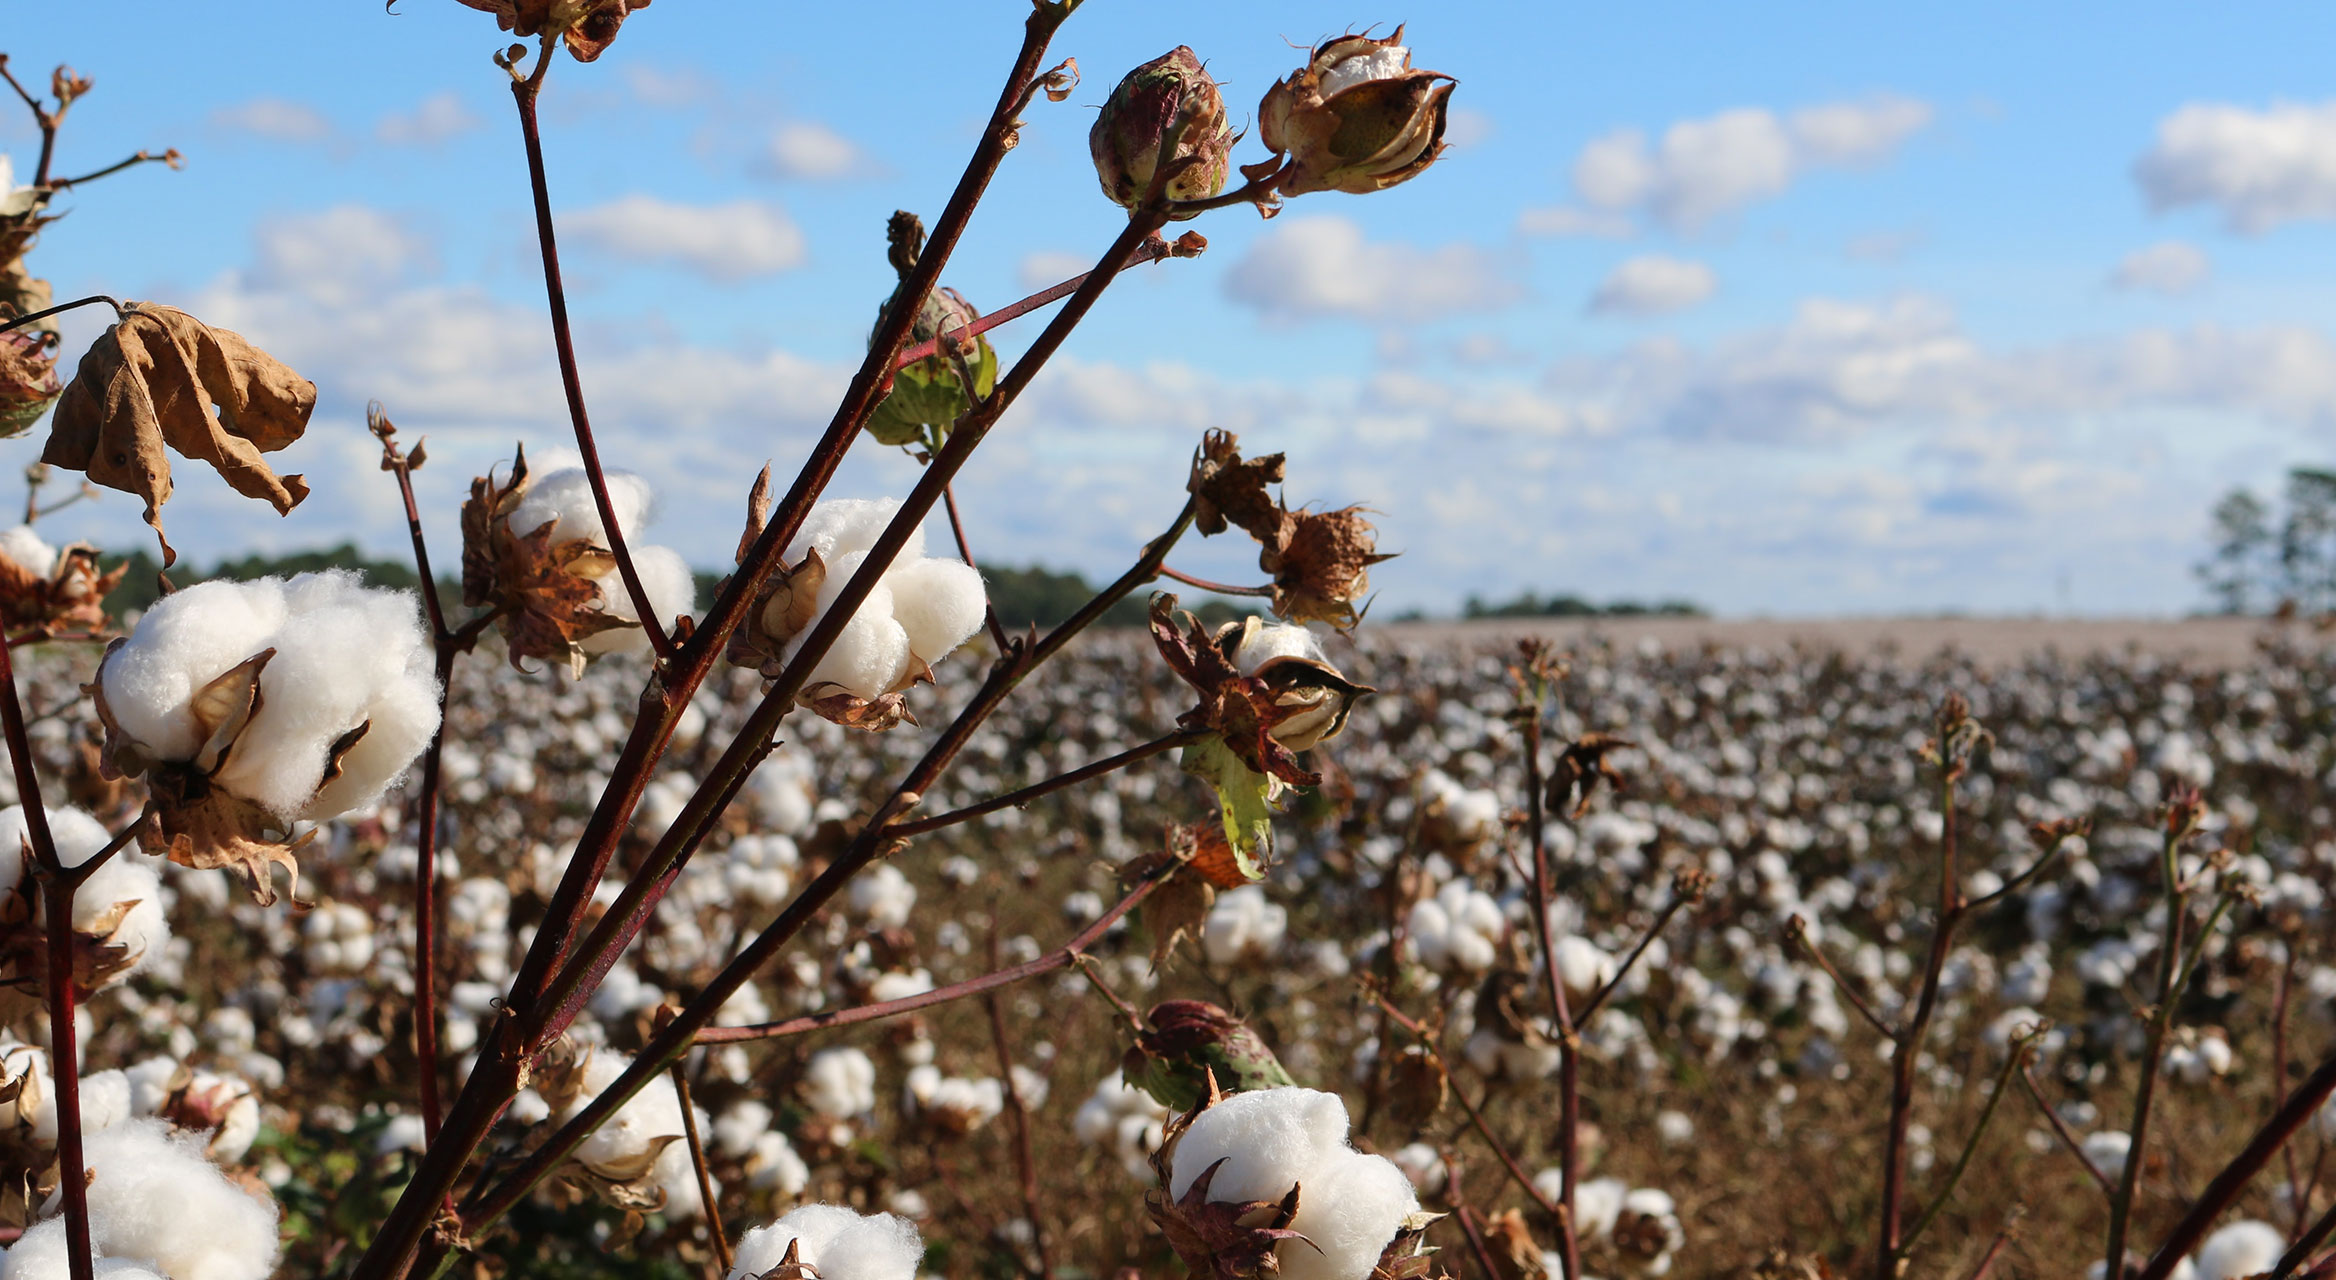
x: 2307, y: 540
x: 1532, y: 605
x: 2242, y: 569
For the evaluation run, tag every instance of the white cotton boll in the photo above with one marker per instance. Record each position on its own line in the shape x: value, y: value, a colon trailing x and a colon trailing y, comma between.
x: 840, y: 527
x: 563, y: 498
x: 150, y: 1084
x: 1383, y: 63
x: 1351, y: 1208
x: 672, y: 590
x: 1244, y: 924
x: 1597, y: 1202
x: 676, y: 1175
x: 737, y: 1128
x: 1124, y: 1118
x: 840, y: 1083
x: 1582, y: 967
x: 836, y: 1242
x: 1269, y: 640
x: 143, y: 931
x: 183, y: 642
x: 2240, y: 1249
x: 26, y: 551
x: 152, y: 1195
x: 105, y: 1101
x: 884, y: 895
x: 1675, y: 1128
x: 939, y: 603
x: 41, y: 1255
x: 1424, y: 1165
x: 636, y: 1128
x: 774, y: 1166
x: 2107, y: 1150
x: 871, y: 654
x: 402, y: 1133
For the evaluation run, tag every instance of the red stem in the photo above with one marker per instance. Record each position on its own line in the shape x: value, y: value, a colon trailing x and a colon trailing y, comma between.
x: 1569, y: 1080
x: 1014, y: 311
x: 2219, y: 1195
x: 1220, y: 588
x: 1024, y: 1163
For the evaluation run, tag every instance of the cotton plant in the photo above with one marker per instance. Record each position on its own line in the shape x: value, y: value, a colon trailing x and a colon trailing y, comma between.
x: 639, y: 1157
x: 1459, y: 930
x: 256, y: 708
x: 156, y: 1206
x: 839, y: 1086
x: 1123, y: 1120
x: 118, y: 924
x: 537, y: 555
x: 1243, y: 924
x: 1278, y: 1159
x: 47, y: 590
x: 919, y: 611
x: 829, y: 1242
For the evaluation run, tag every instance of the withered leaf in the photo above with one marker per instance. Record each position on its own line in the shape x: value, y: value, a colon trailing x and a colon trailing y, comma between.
x: 161, y: 380
x: 588, y: 27
x: 1227, y: 487
x: 835, y: 703
x: 28, y: 381
x: 1177, y: 907
x: 198, y: 825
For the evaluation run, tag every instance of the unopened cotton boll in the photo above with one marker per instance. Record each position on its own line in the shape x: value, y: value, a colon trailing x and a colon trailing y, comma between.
x: 2241, y: 1249
x: 346, y: 656
x: 1350, y: 1205
x: 835, y: 1242
x: 153, y: 1198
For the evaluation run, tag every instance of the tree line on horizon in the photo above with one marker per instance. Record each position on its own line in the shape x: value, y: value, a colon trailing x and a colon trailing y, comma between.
x: 2266, y: 557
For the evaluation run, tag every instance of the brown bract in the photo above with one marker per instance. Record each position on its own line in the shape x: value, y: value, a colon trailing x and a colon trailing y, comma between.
x: 190, y: 818
x: 28, y: 379
x: 587, y: 27
x: 24, y: 946
x: 1364, y: 136
x: 1579, y: 769
x: 1320, y: 560
x: 1178, y: 906
x: 71, y: 598
x: 546, y: 594
x: 1228, y: 488
x: 161, y: 380
x: 1241, y: 709
x: 1210, y: 1237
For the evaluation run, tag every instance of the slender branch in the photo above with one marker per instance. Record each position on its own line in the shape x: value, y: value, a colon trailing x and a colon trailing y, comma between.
x: 1475, y: 1235
x: 1062, y: 957
x: 1022, y: 796
x: 525, y: 93
x: 2004, y: 1237
x: 2161, y: 1020
x: 2069, y: 1139
x: 170, y: 157
x: 39, y: 114
x: 1474, y: 1112
x: 1025, y: 1165
x: 1223, y: 589
x: 2306, y: 1244
x: 2021, y: 880
x: 18, y: 322
x: 2013, y: 1064
x: 1797, y: 930
x: 1569, y: 1082
x: 2227, y: 1185
x: 1597, y: 1001
x: 1013, y: 311
x: 697, y: 1160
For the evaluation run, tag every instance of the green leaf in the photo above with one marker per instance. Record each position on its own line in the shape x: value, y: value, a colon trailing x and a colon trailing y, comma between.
x: 1244, y: 798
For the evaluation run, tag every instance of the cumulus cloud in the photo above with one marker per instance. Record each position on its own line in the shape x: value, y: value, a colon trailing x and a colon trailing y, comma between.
x: 1653, y: 285
x: 1702, y: 169
x: 811, y: 152
x: 1047, y: 267
x: 722, y: 242
x: 439, y: 117
x: 339, y: 257
x: 2259, y: 168
x: 1304, y: 268
x: 668, y: 88
x: 2169, y: 267
x: 276, y: 119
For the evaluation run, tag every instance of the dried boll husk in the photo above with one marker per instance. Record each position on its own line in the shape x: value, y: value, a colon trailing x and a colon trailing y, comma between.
x: 1356, y: 118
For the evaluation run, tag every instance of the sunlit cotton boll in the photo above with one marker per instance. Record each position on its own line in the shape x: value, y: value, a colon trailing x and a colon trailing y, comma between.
x: 1457, y: 929
x: 1125, y: 1119
x: 884, y: 895
x: 1244, y: 924
x: 840, y: 1083
x: 143, y: 930
x: 648, y: 1125
x: 835, y: 1242
x: 156, y: 1202
x: 1350, y: 1205
x: 918, y: 612
x: 560, y: 493
x: 346, y: 656
x: 24, y: 549
x: 2241, y: 1249
x: 2107, y: 1150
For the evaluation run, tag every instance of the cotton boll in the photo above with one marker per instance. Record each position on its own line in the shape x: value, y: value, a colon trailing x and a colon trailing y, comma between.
x: 637, y: 1127
x: 563, y: 499
x: 41, y: 1255
x: 667, y: 581
x: 774, y: 1166
x: 840, y: 527
x: 939, y: 603
x: 884, y: 895
x: 1270, y: 640
x: 836, y: 1242
x: 105, y: 1101
x: 840, y: 1083
x: 1350, y: 1208
x: 2107, y: 1150
x: 2240, y: 1249
x: 153, y: 1196
x: 738, y: 1127
x: 26, y: 551
x: 1243, y: 924
x: 182, y: 643
x: 871, y: 654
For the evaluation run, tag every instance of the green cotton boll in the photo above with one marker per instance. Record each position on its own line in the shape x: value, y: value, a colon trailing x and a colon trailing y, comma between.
x: 928, y: 396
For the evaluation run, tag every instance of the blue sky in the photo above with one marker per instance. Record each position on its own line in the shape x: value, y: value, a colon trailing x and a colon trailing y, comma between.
x: 1808, y: 309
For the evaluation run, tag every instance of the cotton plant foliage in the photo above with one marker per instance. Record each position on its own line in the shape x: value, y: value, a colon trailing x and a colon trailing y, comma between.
x: 157, y: 1207
x: 161, y: 381
x: 252, y: 707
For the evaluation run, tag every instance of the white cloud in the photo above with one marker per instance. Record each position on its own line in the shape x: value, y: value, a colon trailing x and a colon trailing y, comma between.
x: 1465, y: 128
x: 2260, y: 168
x: 722, y: 242
x: 1702, y: 169
x: 1653, y: 285
x: 2169, y: 267
x: 339, y: 257
x: 812, y: 152
x: 1048, y: 267
x: 1304, y: 268
x: 668, y: 88
x: 1567, y: 220
x: 439, y: 117
x: 277, y: 119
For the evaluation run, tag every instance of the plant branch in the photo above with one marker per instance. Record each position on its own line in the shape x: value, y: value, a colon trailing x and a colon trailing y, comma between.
x: 1025, y: 1165
x: 2013, y: 1064
x: 965, y: 553
x: 697, y: 1160
x: 2067, y: 1138
x: 1797, y: 930
x: 18, y: 322
x: 1022, y: 796
x: 1013, y: 311
x: 1569, y: 1082
x: 2170, y: 973
x: 1223, y: 589
x: 170, y: 157
x: 2224, y: 1190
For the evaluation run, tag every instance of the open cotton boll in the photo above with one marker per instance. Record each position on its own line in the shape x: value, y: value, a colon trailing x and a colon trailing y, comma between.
x: 872, y: 653
x: 840, y: 527
x: 2240, y: 1249
x: 836, y: 1242
x: 127, y: 877
x: 41, y: 1255
x: 26, y: 551
x: 76, y: 835
x: 346, y: 655
x: 563, y: 499
x: 1350, y: 1204
x: 939, y: 603
x: 634, y: 1131
x: 672, y: 590
x: 153, y: 1196
x: 186, y: 640
x: 840, y: 1083
x: 1262, y: 644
